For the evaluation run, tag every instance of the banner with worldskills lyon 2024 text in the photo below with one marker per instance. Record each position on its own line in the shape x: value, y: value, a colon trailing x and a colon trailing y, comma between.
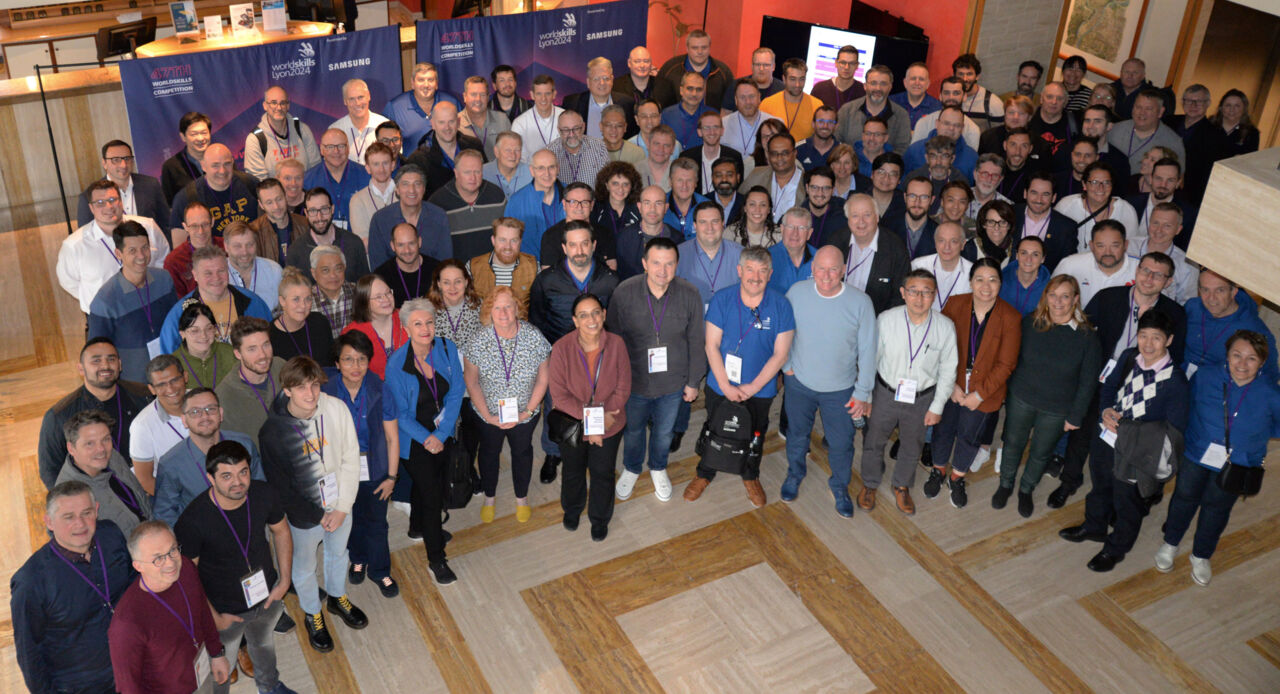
x: 551, y: 42
x: 228, y: 85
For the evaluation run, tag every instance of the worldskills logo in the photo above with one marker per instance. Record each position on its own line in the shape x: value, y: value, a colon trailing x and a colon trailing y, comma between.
x: 306, y: 50
x: 561, y: 36
x: 570, y: 21
x: 298, y: 67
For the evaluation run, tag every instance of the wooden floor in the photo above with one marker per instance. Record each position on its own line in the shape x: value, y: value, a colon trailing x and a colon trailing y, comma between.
x: 716, y: 596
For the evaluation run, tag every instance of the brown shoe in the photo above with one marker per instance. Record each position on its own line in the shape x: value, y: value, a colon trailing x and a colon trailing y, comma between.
x: 234, y: 676
x: 695, y: 488
x: 903, y: 496
x: 867, y: 499
x: 755, y: 493
x: 242, y: 659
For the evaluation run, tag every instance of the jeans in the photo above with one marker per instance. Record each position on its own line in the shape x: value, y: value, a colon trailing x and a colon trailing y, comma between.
x: 800, y: 404
x: 520, y: 438
x: 600, y: 461
x: 1023, y: 422
x: 887, y: 414
x: 549, y: 447
x: 759, y: 409
x: 368, y: 542
x: 258, y: 630
x: 305, y: 547
x: 642, y: 412
x: 959, y: 435
x: 683, y: 412
x: 1197, y: 490
x: 429, y: 472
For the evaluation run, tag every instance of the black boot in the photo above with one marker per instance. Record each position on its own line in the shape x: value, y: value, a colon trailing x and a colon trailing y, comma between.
x: 548, y: 473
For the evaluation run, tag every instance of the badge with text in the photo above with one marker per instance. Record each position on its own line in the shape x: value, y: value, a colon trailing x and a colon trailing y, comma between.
x: 508, y: 411
x: 1215, y: 456
x: 364, y: 468
x: 733, y: 368
x: 1106, y: 370
x: 328, y: 489
x: 201, y: 666
x: 657, y: 360
x: 906, y: 391
x: 593, y: 421
x: 1108, y: 436
x: 255, y: 588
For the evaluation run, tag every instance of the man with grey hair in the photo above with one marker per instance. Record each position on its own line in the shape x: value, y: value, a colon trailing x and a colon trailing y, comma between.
x: 745, y: 356
x: 579, y: 156
x: 360, y: 123
x: 63, y: 597
x: 506, y: 170
x: 1197, y: 135
x: 477, y: 119
x: 614, y: 129
x: 211, y: 271
x: 591, y: 103
x: 93, y: 460
x: 334, y: 295
x: 793, y: 258
x: 429, y: 219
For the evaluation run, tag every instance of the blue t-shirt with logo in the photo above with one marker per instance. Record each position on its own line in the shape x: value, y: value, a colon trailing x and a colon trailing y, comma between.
x: 747, y: 334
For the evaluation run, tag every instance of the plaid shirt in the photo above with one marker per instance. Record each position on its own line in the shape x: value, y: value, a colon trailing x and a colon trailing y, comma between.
x: 591, y: 157
x: 338, y: 311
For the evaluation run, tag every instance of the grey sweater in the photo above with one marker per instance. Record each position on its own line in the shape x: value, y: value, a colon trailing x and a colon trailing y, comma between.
x: 113, y: 506
x: 683, y: 333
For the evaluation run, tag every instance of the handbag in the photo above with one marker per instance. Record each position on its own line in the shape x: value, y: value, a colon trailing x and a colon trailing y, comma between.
x: 563, y: 429
x: 459, y: 488
x: 1233, y: 478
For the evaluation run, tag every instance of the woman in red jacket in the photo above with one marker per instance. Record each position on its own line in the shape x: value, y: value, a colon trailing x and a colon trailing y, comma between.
x: 590, y: 380
x: 374, y: 313
x: 989, y: 332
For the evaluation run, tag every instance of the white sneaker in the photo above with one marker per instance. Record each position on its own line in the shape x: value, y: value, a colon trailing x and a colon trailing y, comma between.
x: 626, y: 483
x: 1164, y: 558
x: 999, y: 457
x: 402, y: 507
x: 1200, y: 571
x: 982, y: 456
x: 661, y: 484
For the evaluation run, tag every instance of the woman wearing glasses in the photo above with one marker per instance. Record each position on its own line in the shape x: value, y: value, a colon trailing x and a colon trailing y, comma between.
x: 300, y: 330
x: 589, y: 373
x: 374, y: 314
x: 994, y: 239
x: 1096, y: 203
x: 204, y: 359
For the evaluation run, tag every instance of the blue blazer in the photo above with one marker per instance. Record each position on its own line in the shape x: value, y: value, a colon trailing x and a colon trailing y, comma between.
x: 373, y: 412
x: 401, y: 402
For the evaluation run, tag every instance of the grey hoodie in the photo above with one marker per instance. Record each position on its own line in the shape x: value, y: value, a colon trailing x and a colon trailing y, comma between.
x: 111, y: 506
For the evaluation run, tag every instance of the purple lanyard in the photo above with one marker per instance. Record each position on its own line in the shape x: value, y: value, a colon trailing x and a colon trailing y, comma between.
x: 573, y: 168
x: 711, y: 279
x: 613, y: 219
x: 1128, y: 151
x: 105, y: 592
x: 417, y: 285
x: 453, y: 327
x: 132, y: 501
x: 119, y: 418
x: 306, y: 442
x: 195, y: 458
x: 168, y: 423
x: 119, y: 263
x: 975, y: 329
x: 1229, y: 416
x: 915, y: 351
x: 146, y: 305
x: 816, y: 236
x: 954, y: 282
x: 1204, y: 339
x: 248, y: 522
x: 285, y: 150
x: 593, y: 382
x: 186, y: 161
x: 253, y: 390
x: 188, y: 626
x: 1020, y: 295
x: 431, y: 380
x: 657, y: 320
x: 742, y: 132
x: 853, y: 269
x: 502, y: 355
x: 289, y: 335
x: 357, y: 141
x: 214, y: 375
x: 582, y: 286
x: 538, y: 125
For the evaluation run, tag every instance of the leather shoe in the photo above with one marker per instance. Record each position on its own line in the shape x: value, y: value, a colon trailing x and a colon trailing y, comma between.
x: 755, y: 492
x: 695, y: 488
x: 599, y: 532
x: 547, y: 474
x: 318, y: 634
x: 243, y: 661
x: 1104, y: 561
x: 352, y: 615
x: 676, y: 438
x: 1001, y: 497
x: 1059, y: 497
x: 867, y: 499
x: 903, y: 496
x: 570, y: 524
x: 1078, y: 533
x: 234, y: 676
x: 1026, y: 505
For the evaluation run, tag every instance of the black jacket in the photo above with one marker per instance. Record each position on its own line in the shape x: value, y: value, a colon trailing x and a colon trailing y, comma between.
x: 658, y: 89
x: 430, y: 159
x: 130, y: 399
x: 1060, y: 238
x: 552, y: 253
x: 553, y: 293
x: 148, y: 200
x: 924, y: 245
x: 719, y: 77
x: 1189, y: 212
x: 695, y: 153
x: 630, y: 243
x: 1108, y: 311
x: 581, y: 103
x: 888, y: 268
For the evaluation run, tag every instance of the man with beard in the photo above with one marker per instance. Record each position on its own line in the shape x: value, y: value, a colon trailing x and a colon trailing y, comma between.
x: 1166, y: 181
x: 578, y: 200
x: 939, y: 160
x: 781, y: 178
x: 408, y: 273
x: 1096, y: 122
x: 813, y: 152
x: 506, y: 265
x: 1084, y: 151
x: 988, y: 177
x: 791, y: 105
x: 505, y: 100
x: 826, y: 210
x: 980, y: 105
x: 1036, y: 217
x: 579, y: 156
x: 726, y: 176
x: 428, y: 218
x: 1017, y: 151
x: 710, y: 129
x: 180, y: 479
x: 247, y: 393
x: 324, y: 232
x: 851, y: 116
x: 340, y: 176
x: 278, y: 225
x: 915, y: 227
x: 1104, y: 265
x: 226, y: 192
x: 1029, y: 74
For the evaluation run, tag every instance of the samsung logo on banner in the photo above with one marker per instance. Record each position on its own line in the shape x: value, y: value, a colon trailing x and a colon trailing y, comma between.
x: 561, y: 36
x: 613, y: 33
x: 297, y: 67
x: 348, y: 64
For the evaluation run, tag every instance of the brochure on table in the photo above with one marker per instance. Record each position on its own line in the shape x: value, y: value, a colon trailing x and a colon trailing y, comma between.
x: 184, y: 18
x: 213, y: 27
x: 242, y: 19
x: 274, y: 16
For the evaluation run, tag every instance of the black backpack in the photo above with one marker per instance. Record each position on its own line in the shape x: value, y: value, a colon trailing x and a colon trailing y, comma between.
x: 458, y: 479
x: 725, y: 441
x: 262, y: 137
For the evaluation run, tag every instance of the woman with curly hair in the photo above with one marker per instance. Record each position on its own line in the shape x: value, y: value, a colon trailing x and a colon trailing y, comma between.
x: 617, y: 196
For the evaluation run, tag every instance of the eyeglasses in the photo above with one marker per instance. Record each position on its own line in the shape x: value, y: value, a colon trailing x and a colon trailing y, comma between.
x: 570, y: 131
x: 319, y: 210
x: 820, y: 189
x: 996, y: 223
x: 120, y: 160
x: 175, y: 554
x: 277, y: 104
x: 576, y: 203
x: 1152, y: 273
x: 354, y: 359
x: 334, y: 148
x: 756, y: 323
x: 391, y: 142
x: 385, y: 296
x: 917, y: 197
x: 990, y: 174
x: 103, y: 202
x: 197, y: 411
x: 824, y: 121
x: 919, y: 293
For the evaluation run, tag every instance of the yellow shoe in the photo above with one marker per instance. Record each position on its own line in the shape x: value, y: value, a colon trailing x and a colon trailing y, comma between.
x: 523, y: 513
x: 486, y: 514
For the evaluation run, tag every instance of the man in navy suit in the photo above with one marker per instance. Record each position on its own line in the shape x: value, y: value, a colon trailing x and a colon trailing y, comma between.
x: 140, y: 195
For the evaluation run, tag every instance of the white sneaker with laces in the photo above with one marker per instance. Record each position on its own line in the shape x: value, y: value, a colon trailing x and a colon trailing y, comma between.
x: 1200, y: 571
x: 626, y: 483
x: 402, y: 507
x: 1164, y: 558
x: 661, y: 484
x: 982, y: 456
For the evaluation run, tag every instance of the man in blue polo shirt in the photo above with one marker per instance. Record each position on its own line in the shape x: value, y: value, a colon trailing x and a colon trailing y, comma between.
x: 337, y: 174
x: 683, y: 115
x: 793, y: 258
x: 749, y: 332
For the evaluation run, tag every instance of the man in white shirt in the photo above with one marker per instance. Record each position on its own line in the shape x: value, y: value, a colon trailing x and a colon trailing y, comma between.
x: 915, y: 374
x: 360, y: 122
x: 537, y: 126
x: 87, y: 258
x: 1104, y: 265
x: 159, y: 426
x: 379, y: 161
x: 782, y: 178
x: 740, y: 126
x: 950, y: 271
x: 1164, y: 225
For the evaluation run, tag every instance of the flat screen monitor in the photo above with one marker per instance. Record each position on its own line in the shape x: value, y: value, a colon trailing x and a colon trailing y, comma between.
x: 824, y: 42
x: 125, y: 38
x: 817, y: 45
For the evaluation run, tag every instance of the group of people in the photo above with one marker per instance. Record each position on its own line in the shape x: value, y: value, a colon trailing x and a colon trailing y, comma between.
x: 270, y: 349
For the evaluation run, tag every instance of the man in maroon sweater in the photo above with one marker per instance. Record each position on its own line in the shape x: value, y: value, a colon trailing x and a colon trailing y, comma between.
x: 162, y: 637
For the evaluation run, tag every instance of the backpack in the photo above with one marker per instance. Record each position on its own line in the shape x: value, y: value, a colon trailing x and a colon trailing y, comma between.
x: 262, y: 137
x: 727, y: 438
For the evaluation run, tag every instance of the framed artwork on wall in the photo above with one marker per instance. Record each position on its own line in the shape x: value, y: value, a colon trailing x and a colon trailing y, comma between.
x: 1103, y: 31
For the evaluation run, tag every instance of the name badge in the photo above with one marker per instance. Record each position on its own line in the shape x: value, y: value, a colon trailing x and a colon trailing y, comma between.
x: 435, y: 423
x: 593, y: 421
x: 967, y: 375
x: 906, y: 391
x: 1215, y: 456
x: 508, y: 411
x: 1191, y: 370
x: 201, y: 666
x: 364, y: 468
x: 255, y: 588
x: 657, y: 360
x: 154, y: 350
x: 733, y: 368
x: 328, y: 489
x: 1106, y: 370
x: 1108, y: 437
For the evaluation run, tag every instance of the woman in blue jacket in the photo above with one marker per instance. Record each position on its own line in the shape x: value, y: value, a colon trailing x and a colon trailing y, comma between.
x: 361, y: 391
x: 1234, y: 413
x: 424, y: 394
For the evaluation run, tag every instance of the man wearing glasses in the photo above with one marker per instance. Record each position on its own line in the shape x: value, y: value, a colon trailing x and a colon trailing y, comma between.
x: 163, y: 637
x: 320, y: 211
x: 781, y: 178
x: 591, y: 103
x: 844, y: 87
x: 140, y: 195
x: 577, y: 201
x: 1197, y: 134
x: 339, y: 175
x: 278, y: 136
x: 763, y: 61
x: 579, y: 156
x: 86, y: 259
x: 988, y: 175
x: 813, y: 152
x: 180, y: 476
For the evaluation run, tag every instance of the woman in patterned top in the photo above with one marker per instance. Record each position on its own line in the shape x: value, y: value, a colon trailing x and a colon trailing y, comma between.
x: 506, y: 373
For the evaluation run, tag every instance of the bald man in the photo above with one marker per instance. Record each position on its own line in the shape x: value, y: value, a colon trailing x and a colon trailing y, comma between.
x: 440, y: 147
x: 338, y: 174
x: 641, y: 81
x: 229, y: 194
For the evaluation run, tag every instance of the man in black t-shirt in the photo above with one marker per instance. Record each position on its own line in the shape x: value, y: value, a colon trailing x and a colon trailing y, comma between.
x: 222, y: 532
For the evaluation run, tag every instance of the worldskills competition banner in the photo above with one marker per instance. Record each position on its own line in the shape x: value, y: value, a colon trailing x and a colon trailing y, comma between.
x: 552, y: 42
x: 228, y: 85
